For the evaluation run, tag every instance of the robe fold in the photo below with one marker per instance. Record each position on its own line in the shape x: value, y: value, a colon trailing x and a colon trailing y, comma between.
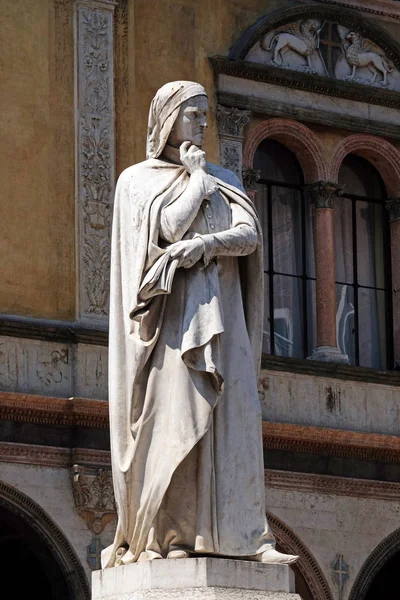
x: 185, y: 347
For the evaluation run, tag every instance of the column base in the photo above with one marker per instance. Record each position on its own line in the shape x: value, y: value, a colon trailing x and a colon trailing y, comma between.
x: 195, y: 579
x: 329, y: 354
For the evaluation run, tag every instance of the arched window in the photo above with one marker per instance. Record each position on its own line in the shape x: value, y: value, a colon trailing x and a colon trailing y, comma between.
x: 362, y: 259
x: 286, y: 217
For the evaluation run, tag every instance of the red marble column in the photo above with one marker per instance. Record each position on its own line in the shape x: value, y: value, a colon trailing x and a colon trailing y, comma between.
x: 325, y: 277
x: 322, y: 195
x: 393, y: 206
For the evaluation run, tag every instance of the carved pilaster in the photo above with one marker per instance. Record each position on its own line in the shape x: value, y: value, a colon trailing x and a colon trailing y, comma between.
x: 95, y: 171
x: 250, y: 177
x: 322, y: 193
x: 393, y: 208
x: 231, y: 122
x: 94, y: 496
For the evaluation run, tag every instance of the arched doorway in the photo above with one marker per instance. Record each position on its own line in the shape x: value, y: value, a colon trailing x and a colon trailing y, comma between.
x: 379, y: 575
x: 34, y: 553
x: 22, y: 551
x: 386, y: 582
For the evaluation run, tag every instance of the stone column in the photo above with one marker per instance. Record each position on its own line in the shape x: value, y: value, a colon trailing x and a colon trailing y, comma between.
x: 94, y: 152
x: 322, y: 194
x: 393, y: 207
x: 231, y: 122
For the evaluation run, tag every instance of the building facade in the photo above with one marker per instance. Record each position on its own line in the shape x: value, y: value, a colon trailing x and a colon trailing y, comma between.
x: 305, y: 108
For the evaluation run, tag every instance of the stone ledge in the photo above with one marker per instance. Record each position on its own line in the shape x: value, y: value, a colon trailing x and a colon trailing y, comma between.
x: 193, y: 577
x: 202, y: 593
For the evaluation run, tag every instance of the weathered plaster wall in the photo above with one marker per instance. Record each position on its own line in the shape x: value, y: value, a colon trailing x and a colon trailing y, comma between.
x: 36, y: 159
x: 325, y: 402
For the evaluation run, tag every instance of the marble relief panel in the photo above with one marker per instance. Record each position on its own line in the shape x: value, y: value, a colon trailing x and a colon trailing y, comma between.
x: 326, y: 49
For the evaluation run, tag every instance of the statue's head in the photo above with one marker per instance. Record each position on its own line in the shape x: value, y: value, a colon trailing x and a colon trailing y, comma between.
x: 177, y: 114
x: 191, y: 122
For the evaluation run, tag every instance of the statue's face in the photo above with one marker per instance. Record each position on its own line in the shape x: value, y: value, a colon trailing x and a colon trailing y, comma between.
x: 191, y: 123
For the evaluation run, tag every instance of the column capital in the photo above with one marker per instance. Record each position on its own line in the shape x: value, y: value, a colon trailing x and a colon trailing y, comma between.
x: 250, y: 177
x: 322, y: 193
x: 231, y: 120
x: 393, y: 208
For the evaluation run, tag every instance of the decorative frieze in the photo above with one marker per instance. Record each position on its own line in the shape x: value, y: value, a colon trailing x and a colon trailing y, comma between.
x: 393, y: 207
x: 94, y: 496
x: 94, y: 152
x: 322, y: 193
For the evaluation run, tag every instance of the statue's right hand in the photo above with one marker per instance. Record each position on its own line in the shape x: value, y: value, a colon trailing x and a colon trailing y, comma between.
x: 192, y: 158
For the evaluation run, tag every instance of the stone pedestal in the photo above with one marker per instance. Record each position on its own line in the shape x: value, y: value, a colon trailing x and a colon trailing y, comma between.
x: 195, y: 578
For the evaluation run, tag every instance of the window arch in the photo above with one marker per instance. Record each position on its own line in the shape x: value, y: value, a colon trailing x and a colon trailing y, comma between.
x: 362, y: 263
x: 289, y: 269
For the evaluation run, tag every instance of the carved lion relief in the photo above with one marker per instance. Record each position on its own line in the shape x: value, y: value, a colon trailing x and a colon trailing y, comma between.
x: 327, y: 49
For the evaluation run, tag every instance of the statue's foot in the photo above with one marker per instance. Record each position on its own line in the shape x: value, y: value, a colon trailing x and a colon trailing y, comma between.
x: 273, y: 557
x: 178, y: 554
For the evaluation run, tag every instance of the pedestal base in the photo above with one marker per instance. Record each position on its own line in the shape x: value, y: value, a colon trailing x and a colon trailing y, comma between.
x: 329, y: 354
x: 195, y: 579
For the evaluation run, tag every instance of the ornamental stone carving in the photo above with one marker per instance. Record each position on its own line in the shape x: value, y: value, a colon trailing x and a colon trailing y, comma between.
x: 231, y: 156
x: 231, y: 121
x: 322, y: 193
x: 250, y: 177
x: 302, y: 38
x: 326, y: 48
x: 95, y: 152
x: 93, y: 496
x: 393, y: 207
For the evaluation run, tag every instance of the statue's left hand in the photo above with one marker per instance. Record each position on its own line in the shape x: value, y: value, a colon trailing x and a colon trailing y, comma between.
x: 188, y: 252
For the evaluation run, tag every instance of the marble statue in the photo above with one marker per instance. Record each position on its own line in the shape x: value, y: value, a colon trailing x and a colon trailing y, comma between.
x: 185, y: 340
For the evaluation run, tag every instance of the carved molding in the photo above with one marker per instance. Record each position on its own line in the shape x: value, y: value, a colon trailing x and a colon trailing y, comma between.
x: 306, y: 82
x: 393, y: 207
x: 383, y: 155
x: 374, y: 563
x: 250, y: 177
x: 290, y: 543
x: 381, y: 8
x: 231, y: 120
x: 307, y: 147
x: 51, y: 456
x: 331, y: 485
x: 322, y: 193
x: 93, y: 496
x: 53, y: 331
x: 37, y: 519
x: 95, y: 151
x: 47, y: 410
x: 331, y: 442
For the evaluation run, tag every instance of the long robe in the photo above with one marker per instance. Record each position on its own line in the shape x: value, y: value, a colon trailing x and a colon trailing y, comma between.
x: 185, y: 418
